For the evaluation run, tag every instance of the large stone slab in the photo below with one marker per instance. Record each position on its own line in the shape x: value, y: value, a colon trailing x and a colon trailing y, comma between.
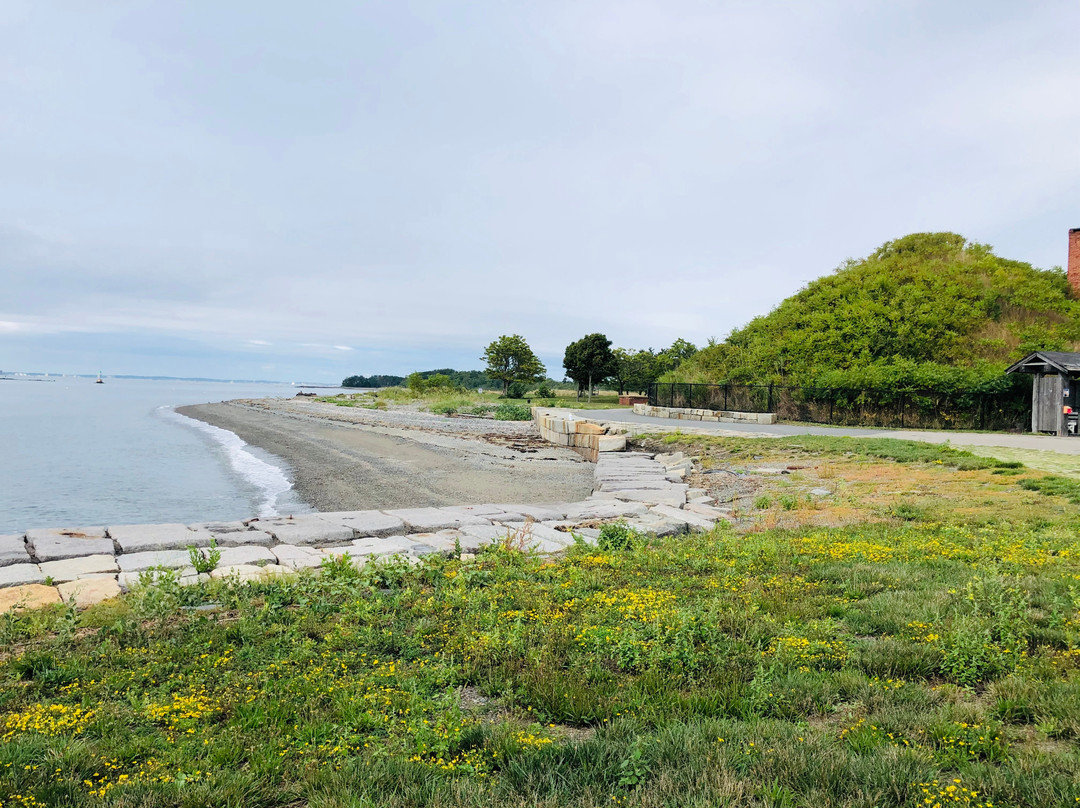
x: 88, y: 591
x: 429, y: 520
x: 546, y: 539
x: 441, y: 542
x: 383, y: 546
x: 604, y: 509
x: 691, y: 519
x: 31, y: 596
x: 249, y: 572
x: 13, y: 551
x: 369, y: 523
x: 187, y: 577
x: 306, y: 529
x: 235, y: 534
x: 648, y: 496
x: 169, y: 559
x: 638, y: 484
x: 20, y: 575
x: 71, y: 569
x: 483, y: 511
x: 655, y: 523
x: 474, y: 536
x: 248, y: 555
x: 538, y: 513
x: 219, y: 529
x: 146, y: 538
x: 52, y: 544
x: 296, y: 557
x: 708, y: 511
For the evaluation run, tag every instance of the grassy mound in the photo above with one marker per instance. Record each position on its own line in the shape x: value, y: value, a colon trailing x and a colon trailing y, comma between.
x: 928, y: 310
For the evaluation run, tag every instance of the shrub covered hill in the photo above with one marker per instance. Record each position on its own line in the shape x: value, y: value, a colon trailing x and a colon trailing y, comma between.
x: 929, y: 310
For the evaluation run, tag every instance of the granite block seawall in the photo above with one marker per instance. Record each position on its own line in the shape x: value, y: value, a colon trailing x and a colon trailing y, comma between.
x: 87, y: 564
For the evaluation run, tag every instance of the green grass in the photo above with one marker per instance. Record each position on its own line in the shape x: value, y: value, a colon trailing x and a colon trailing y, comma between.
x: 1053, y: 486
x: 838, y: 667
x: 901, y: 451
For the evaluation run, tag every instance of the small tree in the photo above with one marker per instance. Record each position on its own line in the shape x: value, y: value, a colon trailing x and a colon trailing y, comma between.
x: 589, y: 360
x: 416, y: 383
x: 510, y: 359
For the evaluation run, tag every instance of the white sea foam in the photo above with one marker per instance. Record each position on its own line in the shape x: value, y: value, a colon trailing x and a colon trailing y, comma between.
x: 269, y: 480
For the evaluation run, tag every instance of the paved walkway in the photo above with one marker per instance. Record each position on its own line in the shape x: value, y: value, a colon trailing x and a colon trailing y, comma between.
x: 1044, y: 443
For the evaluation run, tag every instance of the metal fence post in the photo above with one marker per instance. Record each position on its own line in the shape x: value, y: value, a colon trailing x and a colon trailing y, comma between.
x: 768, y: 406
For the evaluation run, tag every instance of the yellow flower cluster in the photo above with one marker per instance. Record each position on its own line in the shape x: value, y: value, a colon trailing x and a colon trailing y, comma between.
x: 921, y: 632
x: 645, y: 605
x: 844, y: 550
x: 46, y: 719
x: 972, y: 741
x: 475, y: 761
x: 190, y: 708
x: 886, y: 684
x: 863, y: 729
x: 955, y: 793
x: 530, y: 739
x: 809, y: 652
x: 21, y: 801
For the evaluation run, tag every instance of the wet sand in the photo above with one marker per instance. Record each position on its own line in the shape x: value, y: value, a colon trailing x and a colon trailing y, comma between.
x: 341, y: 459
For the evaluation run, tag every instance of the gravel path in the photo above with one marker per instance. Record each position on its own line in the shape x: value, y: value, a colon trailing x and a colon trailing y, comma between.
x: 344, y: 458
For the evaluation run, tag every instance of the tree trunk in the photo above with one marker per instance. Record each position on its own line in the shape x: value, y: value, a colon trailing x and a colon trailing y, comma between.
x: 590, y: 387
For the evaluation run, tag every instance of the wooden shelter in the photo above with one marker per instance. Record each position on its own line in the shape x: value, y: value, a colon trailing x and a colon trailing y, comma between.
x: 1054, y: 390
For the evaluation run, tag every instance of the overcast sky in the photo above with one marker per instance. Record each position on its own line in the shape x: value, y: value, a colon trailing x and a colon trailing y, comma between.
x: 302, y: 191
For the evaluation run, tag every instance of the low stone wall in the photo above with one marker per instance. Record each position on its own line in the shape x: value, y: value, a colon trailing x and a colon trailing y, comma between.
x: 587, y: 438
x: 85, y: 565
x: 722, y: 416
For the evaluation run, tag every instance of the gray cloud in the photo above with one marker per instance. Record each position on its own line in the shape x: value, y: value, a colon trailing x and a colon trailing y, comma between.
x: 411, y: 180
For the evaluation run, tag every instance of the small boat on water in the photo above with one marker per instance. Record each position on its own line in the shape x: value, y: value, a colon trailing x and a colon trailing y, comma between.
x: 99, y: 379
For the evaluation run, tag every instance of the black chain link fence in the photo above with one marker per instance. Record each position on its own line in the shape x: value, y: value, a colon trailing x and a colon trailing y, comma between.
x: 1008, y: 410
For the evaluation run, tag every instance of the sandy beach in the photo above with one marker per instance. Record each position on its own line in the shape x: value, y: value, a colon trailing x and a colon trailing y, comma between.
x: 344, y: 458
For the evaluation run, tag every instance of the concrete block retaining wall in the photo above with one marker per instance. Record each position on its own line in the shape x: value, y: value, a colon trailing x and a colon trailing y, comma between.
x: 85, y: 565
x: 587, y: 438
x: 723, y: 416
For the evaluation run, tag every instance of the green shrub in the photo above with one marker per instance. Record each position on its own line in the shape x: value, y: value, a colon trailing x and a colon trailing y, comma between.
x: 543, y: 391
x: 517, y: 390
x: 205, y: 561
x: 512, y: 412
x: 1053, y: 486
x: 617, y: 536
x: 908, y: 512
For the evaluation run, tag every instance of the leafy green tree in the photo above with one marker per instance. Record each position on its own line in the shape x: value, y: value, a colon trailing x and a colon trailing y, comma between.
x: 634, y: 370
x: 510, y: 359
x: 589, y: 361
x: 416, y: 383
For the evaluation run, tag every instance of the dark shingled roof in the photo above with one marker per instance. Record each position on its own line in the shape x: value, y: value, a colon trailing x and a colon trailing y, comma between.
x: 1048, y: 362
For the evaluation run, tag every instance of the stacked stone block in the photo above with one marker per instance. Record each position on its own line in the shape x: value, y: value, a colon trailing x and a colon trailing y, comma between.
x: 585, y: 437
x: 714, y: 416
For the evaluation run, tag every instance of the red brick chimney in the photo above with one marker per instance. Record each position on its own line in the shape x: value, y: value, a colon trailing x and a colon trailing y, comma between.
x: 1074, y: 260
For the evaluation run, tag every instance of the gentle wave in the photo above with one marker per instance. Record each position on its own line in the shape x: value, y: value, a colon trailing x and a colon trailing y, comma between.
x: 268, y: 479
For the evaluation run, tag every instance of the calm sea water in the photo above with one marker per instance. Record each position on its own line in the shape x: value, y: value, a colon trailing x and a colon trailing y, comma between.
x: 74, y: 453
